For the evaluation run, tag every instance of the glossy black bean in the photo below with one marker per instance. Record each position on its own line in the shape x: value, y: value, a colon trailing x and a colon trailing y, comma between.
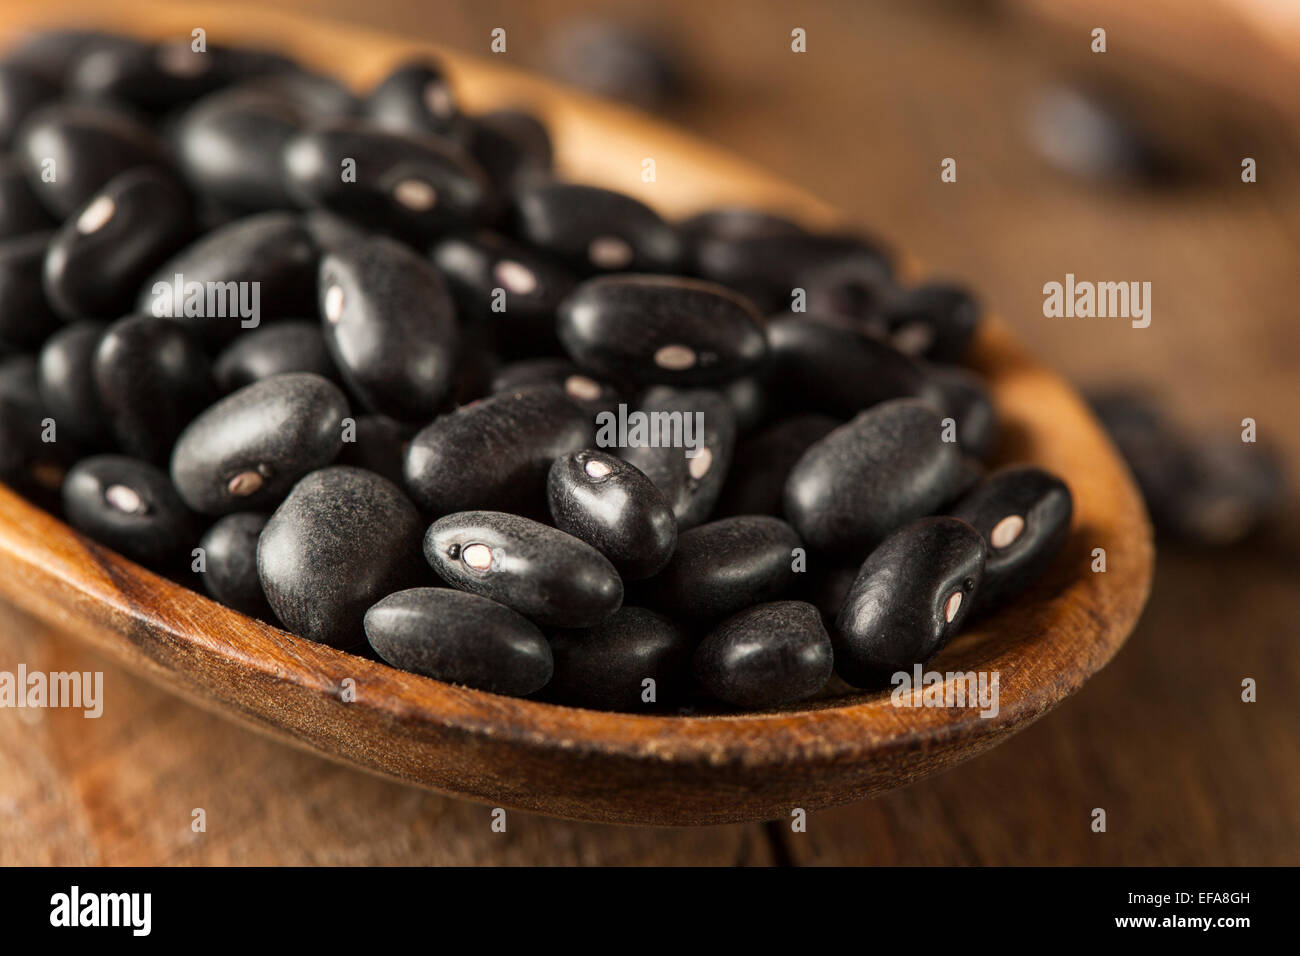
x: 22, y: 90
x: 230, y: 145
x: 911, y: 596
x: 856, y: 284
x: 33, y: 456
x: 390, y: 327
x: 379, y: 444
x: 615, y: 508
x: 53, y: 53
x: 71, y: 151
x: 966, y: 399
x: 607, y: 667
x: 495, y: 453
x: 936, y: 321
x: 748, y: 398
x: 26, y: 316
x: 509, y: 288
x: 726, y: 565
x: 736, y: 222
x: 416, y: 185
x: 582, y: 389
x: 289, y: 346
x: 511, y: 146
x: 756, y: 480
x: 460, y: 638
x: 331, y: 232
x: 836, y: 370
x: 318, y: 96
x: 96, y: 262
x: 548, y: 576
x: 596, y: 230
x: 661, y: 330
x: 1024, y: 515
x: 130, y: 506
x: 152, y: 379
x: 766, y: 656
x: 245, y: 452
x: 689, y: 464
x: 66, y: 380
x: 271, y: 260
x: 343, y: 539
x: 886, y: 467
x: 416, y: 97
x: 230, y: 558
x: 20, y: 211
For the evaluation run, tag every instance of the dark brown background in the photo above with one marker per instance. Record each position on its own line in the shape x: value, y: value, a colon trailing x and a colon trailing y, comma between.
x: 1186, y: 772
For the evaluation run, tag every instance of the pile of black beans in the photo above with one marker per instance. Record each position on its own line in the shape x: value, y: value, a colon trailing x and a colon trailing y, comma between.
x: 350, y: 364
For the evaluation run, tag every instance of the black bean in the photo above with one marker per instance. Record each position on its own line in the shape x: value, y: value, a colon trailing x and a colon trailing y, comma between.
x: 911, y: 595
x: 688, y: 465
x: 855, y: 284
x: 66, y: 382
x: 278, y: 348
x: 615, y: 508
x: 230, y: 556
x: 596, y: 230
x: 661, y: 330
x: 836, y: 370
x: 52, y: 53
x: 886, y: 467
x: 460, y: 638
x: 748, y: 399
x: 756, y: 480
x: 736, y: 222
x: 344, y: 538
x: 616, y: 60
x: 415, y: 185
x: 245, y: 452
x: 130, y: 506
x: 766, y: 656
x: 19, y: 382
x: 96, y: 262
x: 966, y: 399
x: 22, y: 90
x: 581, y: 388
x: 606, y: 667
x: 475, y: 364
x: 314, y: 94
x: 390, y: 326
x: 378, y: 443
x: 71, y: 151
x: 268, y: 260
x: 20, y: 211
x: 548, y: 576
x: 1024, y: 515
x: 508, y: 287
x: 152, y: 379
x: 33, y: 457
x: 330, y: 232
x: 726, y: 565
x: 936, y: 321
x: 26, y: 316
x: 825, y: 586
x: 511, y: 146
x: 496, y: 452
x: 416, y: 97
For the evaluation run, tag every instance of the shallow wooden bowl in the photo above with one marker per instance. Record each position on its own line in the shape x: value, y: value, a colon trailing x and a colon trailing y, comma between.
x: 566, y: 761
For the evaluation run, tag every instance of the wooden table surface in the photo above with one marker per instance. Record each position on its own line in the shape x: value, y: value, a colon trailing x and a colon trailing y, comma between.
x: 1186, y: 771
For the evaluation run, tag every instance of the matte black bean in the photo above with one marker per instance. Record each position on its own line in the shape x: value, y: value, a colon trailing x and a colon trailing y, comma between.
x: 26, y: 316
x: 390, y: 327
x: 606, y: 667
x: 20, y: 211
x: 66, y: 380
x: 548, y: 576
x: 274, y: 350
x: 615, y: 508
x: 766, y: 656
x: 509, y: 288
x: 581, y: 388
x: 496, y: 452
x: 245, y: 452
x: 1024, y: 515
x: 416, y: 97
x: 855, y: 284
x: 511, y: 146
x: 460, y: 638
x: 152, y: 379
x: 911, y: 596
x: 836, y: 370
x: 936, y: 321
x: 416, y: 185
x: 688, y: 465
x: 756, y: 480
x: 84, y: 146
x: 726, y: 565
x: 230, y: 558
x: 96, y: 262
x: 378, y: 443
x: 344, y: 538
x: 661, y: 330
x: 130, y: 506
x: 270, y: 256
x: 966, y: 399
x: 22, y: 90
x: 596, y: 230
x: 885, y: 468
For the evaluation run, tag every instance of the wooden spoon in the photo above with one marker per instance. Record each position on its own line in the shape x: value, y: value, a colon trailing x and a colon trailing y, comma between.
x: 571, y: 762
